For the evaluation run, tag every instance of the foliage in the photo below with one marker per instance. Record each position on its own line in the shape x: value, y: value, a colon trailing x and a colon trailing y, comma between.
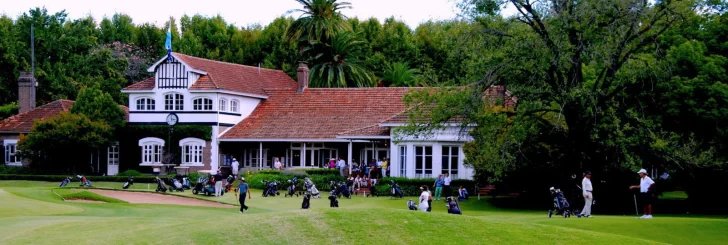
x: 320, y: 20
x: 130, y: 172
x: 8, y: 110
x: 338, y: 63
x: 321, y: 181
x: 94, y: 103
x: 399, y: 74
x: 56, y: 142
x: 322, y: 171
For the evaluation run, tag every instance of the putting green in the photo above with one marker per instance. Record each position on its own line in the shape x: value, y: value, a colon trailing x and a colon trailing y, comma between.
x: 45, y: 219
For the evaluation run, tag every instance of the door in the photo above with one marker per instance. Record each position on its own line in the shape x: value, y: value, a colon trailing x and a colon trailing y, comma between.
x: 112, y: 162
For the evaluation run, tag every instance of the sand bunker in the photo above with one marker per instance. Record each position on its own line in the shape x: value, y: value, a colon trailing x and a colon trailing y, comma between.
x: 153, y: 198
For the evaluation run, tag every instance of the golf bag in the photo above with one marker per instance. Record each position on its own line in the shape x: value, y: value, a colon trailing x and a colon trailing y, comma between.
x: 411, y: 205
x: 306, y: 201
x: 229, y: 185
x: 462, y: 194
x: 271, y: 188
x: 343, y: 190
x: 332, y: 200
x: 311, y: 188
x: 561, y: 205
x: 161, y: 186
x: 84, y: 182
x: 177, y: 185
x: 186, y: 183
x: 129, y: 182
x: 291, y: 187
x: 396, y: 191
x: 65, y: 182
x: 452, y: 206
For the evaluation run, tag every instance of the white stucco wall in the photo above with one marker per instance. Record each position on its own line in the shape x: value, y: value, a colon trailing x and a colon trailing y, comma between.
x: 451, y: 136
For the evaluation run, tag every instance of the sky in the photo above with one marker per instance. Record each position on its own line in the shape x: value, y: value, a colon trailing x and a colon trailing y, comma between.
x: 237, y: 12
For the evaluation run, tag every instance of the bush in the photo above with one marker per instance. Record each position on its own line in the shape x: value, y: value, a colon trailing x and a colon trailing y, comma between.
x: 322, y: 171
x: 269, y: 172
x: 130, y: 172
x: 411, y: 187
x: 321, y: 181
x: 300, y: 173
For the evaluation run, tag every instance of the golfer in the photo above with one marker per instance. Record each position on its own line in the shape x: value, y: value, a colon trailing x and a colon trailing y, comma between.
x: 243, y: 188
x: 645, y: 197
x: 218, y: 183
x: 438, y: 187
x: 586, y: 187
x: 236, y: 165
x: 424, y: 197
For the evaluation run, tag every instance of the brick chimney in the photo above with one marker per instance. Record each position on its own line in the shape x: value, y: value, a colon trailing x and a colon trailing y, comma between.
x: 26, y: 92
x: 302, y: 72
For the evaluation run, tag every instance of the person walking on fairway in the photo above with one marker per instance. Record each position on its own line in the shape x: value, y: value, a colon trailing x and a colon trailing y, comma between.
x: 424, y: 197
x: 645, y: 197
x: 218, y: 183
x: 438, y: 187
x: 243, y: 188
x: 587, y: 189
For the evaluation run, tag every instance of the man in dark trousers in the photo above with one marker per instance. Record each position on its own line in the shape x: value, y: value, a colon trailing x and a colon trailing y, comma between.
x: 243, y: 188
x: 218, y: 183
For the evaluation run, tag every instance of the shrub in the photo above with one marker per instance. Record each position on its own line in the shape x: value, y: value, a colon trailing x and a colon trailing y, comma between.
x: 269, y: 172
x: 130, y: 172
x: 321, y: 181
x: 300, y: 173
x: 321, y: 171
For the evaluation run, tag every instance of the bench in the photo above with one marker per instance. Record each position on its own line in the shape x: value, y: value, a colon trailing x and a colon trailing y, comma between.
x: 485, y: 190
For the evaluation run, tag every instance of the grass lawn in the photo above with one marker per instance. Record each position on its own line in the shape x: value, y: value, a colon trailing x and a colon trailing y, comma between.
x: 30, y: 212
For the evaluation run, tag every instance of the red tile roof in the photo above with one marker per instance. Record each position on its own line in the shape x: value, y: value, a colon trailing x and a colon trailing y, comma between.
x: 146, y: 84
x: 23, y: 122
x: 236, y: 77
x: 319, y: 113
x: 371, y: 130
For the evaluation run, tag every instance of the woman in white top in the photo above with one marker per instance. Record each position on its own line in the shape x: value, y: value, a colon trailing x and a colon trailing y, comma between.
x: 424, y: 197
x: 277, y: 165
x: 357, y: 182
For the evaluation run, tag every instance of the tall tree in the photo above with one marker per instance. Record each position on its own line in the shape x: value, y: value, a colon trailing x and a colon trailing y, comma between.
x: 338, y: 63
x: 320, y: 20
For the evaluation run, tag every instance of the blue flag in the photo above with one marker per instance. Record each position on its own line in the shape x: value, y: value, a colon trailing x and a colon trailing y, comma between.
x: 168, y: 43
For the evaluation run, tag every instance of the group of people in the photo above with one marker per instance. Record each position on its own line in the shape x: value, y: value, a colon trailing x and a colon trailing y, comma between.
x: 442, y: 182
x: 645, y: 197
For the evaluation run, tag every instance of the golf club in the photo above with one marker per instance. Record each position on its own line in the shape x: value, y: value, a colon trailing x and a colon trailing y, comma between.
x: 637, y: 212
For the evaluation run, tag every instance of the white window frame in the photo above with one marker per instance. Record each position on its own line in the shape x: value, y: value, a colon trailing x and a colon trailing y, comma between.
x: 113, y: 154
x: 200, y: 104
x: 234, y: 105
x: 223, y: 105
x: 147, y: 104
x: 174, y: 102
x: 423, y: 167
x: 448, y: 153
x: 403, y: 160
x: 10, y: 149
x: 151, y: 151
x: 192, y: 151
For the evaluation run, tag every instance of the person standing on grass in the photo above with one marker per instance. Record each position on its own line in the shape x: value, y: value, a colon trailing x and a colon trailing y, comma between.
x: 447, y: 182
x: 278, y: 165
x: 424, y: 197
x: 236, y: 166
x: 429, y: 199
x: 438, y: 187
x: 218, y: 183
x: 587, y: 189
x: 243, y: 188
x: 341, y: 164
x: 645, y: 198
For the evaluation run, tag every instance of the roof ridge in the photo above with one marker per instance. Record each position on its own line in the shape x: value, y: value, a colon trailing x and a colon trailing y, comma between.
x: 348, y: 131
x: 226, y: 63
x: 58, y: 101
x: 211, y: 80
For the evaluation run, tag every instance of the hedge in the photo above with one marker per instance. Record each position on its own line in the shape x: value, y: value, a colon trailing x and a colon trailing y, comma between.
x: 59, y: 178
x: 411, y: 187
x: 321, y: 181
x: 322, y: 171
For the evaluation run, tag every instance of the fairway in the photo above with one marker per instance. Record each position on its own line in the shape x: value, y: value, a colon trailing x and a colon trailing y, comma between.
x: 31, y: 213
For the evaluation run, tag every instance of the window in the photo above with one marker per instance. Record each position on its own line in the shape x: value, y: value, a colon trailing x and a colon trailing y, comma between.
x: 233, y: 106
x: 145, y: 104
x: 151, y: 150
x: 450, y: 158
x: 11, y: 151
x: 192, y: 151
x: 202, y: 104
x: 423, y: 161
x: 174, y: 102
x: 402, y: 161
x: 223, y: 105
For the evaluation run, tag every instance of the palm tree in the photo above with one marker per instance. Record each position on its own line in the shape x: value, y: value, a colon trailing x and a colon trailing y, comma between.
x: 400, y: 75
x: 337, y: 63
x: 320, y: 20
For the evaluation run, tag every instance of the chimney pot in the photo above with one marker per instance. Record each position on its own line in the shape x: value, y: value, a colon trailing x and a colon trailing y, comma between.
x: 302, y: 73
x: 26, y: 91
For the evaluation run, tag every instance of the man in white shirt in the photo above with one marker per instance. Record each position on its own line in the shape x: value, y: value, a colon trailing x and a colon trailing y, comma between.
x: 236, y: 165
x: 587, y: 189
x: 447, y: 189
x: 646, y: 185
x: 341, y: 164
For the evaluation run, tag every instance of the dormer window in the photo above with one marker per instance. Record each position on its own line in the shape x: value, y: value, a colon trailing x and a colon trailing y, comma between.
x: 145, y: 104
x: 174, y: 102
x: 233, y: 106
x: 223, y: 105
x: 202, y: 104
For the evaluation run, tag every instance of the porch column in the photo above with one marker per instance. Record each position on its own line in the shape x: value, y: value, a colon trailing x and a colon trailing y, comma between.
x: 260, y: 156
x: 348, y: 156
